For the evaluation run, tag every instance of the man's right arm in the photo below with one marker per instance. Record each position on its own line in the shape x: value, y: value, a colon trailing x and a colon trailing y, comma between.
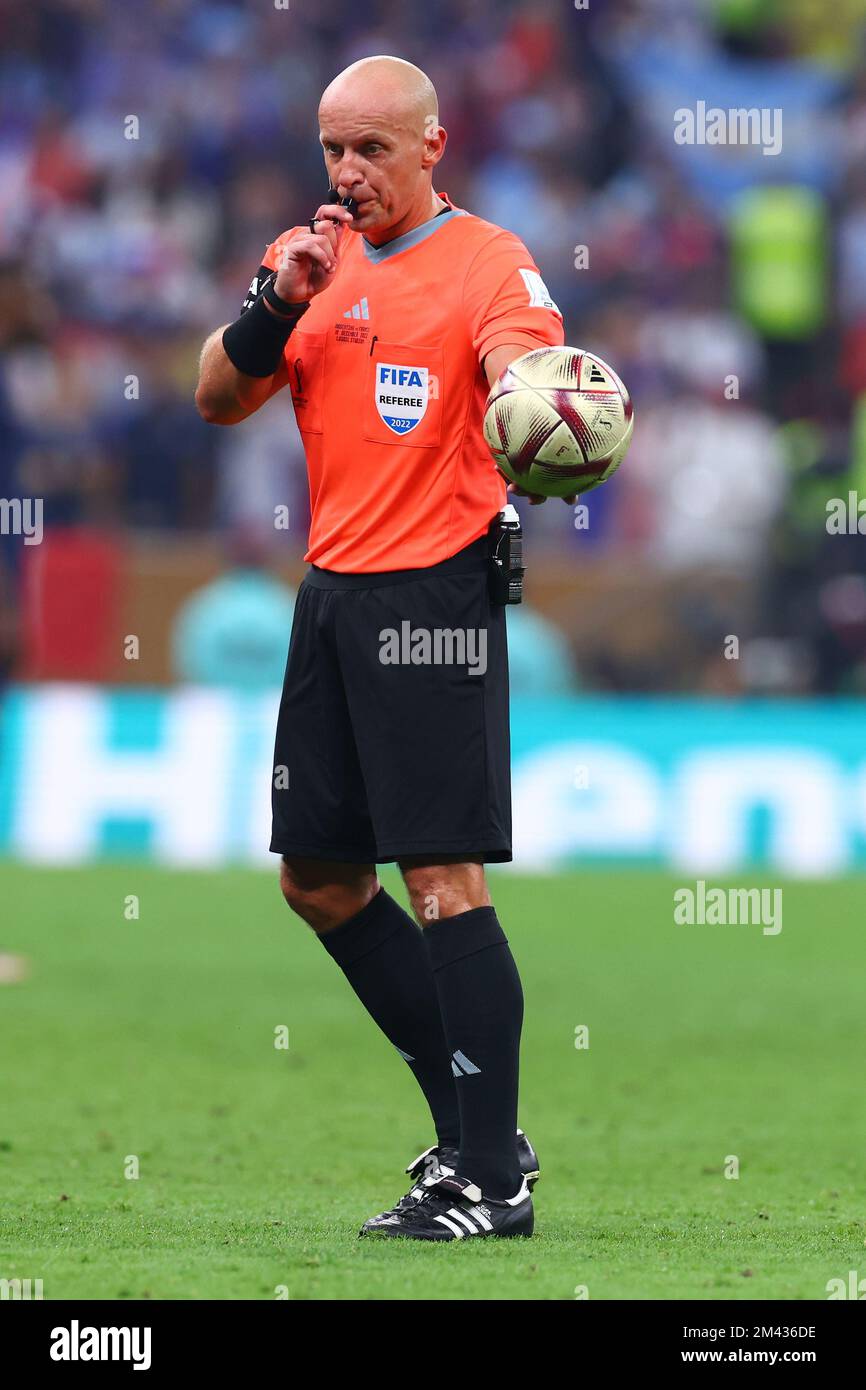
x: 224, y: 395
x: 298, y: 266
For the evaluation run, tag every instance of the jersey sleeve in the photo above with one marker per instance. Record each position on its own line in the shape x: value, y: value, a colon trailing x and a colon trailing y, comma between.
x: 269, y: 266
x: 505, y: 299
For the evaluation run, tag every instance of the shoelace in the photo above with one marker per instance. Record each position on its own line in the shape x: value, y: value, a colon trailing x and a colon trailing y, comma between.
x: 411, y: 1201
x: 426, y: 1207
x: 407, y: 1203
x: 446, y: 1156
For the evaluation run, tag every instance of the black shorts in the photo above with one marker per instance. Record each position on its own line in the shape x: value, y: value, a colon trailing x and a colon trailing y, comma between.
x: 392, y: 737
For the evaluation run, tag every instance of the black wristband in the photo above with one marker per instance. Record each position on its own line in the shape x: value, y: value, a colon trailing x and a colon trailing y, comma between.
x: 254, y: 343
x: 282, y: 306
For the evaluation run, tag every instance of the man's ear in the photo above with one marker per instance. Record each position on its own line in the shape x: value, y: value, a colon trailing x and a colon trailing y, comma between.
x: 435, y: 140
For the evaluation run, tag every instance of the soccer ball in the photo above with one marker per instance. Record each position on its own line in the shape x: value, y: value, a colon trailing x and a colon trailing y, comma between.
x: 558, y: 421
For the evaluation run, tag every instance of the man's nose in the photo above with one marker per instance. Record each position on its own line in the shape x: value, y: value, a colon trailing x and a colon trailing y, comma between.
x: 349, y: 178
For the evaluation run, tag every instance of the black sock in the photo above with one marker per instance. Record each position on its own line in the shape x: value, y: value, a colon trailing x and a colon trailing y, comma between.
x: 382, y: 954
x: 482, y: 1008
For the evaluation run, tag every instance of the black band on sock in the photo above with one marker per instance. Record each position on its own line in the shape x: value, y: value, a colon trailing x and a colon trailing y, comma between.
x: 366, y: 931
x: 451, y: 938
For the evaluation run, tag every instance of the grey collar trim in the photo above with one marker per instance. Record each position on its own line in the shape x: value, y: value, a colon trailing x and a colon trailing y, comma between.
x: 376, y: 254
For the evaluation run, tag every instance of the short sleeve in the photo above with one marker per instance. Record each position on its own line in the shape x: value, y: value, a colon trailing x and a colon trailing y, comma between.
x: 269, y: 266
x: 505, y: 300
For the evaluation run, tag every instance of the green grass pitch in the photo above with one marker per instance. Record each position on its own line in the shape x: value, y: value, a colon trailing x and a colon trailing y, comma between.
x: 154, y: 1039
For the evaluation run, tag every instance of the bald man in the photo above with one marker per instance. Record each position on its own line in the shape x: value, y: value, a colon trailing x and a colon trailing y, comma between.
x: 389, y: 316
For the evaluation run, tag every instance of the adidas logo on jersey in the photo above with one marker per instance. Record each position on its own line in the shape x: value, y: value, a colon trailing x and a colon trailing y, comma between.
x: 358, y: 311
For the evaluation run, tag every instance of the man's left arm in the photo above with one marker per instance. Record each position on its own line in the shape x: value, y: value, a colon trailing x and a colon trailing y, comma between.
x: 494, y: 365
x: 496, y: 361
x: 510, y: 312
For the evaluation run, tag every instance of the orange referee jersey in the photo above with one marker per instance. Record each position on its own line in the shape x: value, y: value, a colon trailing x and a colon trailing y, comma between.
x: 389, y: 392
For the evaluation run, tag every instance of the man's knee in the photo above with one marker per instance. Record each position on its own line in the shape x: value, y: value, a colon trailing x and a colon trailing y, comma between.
x: 444, y: 889
x: 326, y: 894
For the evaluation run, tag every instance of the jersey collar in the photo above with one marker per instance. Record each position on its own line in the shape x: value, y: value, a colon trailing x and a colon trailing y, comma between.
x: 377, y: 254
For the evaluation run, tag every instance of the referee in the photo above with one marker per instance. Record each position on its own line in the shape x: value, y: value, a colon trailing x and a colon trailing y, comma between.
x: 389, y: 317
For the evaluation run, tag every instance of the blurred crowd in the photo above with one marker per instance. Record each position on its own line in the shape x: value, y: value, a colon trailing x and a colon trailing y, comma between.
x: 148, y: 155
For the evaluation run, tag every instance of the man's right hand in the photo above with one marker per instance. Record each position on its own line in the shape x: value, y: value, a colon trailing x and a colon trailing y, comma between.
x: 308, y: 262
